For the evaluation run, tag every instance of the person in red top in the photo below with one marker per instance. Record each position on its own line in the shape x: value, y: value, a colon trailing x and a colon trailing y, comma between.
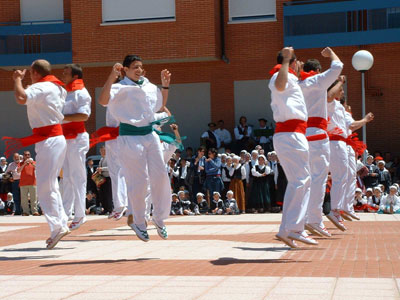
x: 27, y: 185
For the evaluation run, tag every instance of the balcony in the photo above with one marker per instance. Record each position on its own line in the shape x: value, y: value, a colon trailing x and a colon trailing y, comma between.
x: 317, y: 23
x: 22, y: 43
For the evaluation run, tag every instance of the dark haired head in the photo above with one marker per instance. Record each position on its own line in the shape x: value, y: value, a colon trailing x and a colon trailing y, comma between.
x: 213, y: 151
x: 76, y: 70
x: 279, y: 58
x: 129, y: 59
x: 342, y: 100
x: 312, y: 65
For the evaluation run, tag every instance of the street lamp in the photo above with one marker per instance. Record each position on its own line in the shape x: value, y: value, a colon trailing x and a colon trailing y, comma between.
x: 362, y: 61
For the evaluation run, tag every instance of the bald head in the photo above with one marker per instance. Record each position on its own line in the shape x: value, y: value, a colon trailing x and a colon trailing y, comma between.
x: 42, y: 67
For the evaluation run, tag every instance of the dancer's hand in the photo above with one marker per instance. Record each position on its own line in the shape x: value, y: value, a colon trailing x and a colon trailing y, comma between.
x: 327, y: 52
x: 165, y: 78
x: 369, y: 117
x: 116, y: 70
x: 342, y: 79
x: 287, y: 53
x: 18, y: 74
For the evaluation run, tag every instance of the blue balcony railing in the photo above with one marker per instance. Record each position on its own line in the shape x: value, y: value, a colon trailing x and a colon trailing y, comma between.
x: 22, y: 43
x: 320, y: 23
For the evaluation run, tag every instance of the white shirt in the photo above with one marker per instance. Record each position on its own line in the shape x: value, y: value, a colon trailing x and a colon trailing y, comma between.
x: 389, y: 199
x: 314, y: 90
x: 133, y: 104
x: 206, y: 135
x: 223, y: 135
x: 45, y: 102
x: 288, y: 104
x: 77, y: 102
x: 12, y: 168
x: 255, y: 173
x: 336, y: 114
x: 239, y: 136
x: 349, y: 120
x: 110, y: 120
x: 264, y: 139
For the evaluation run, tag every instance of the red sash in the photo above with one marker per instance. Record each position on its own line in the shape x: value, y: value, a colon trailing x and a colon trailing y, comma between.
x: 72, y: 129
x: 104, y: 134
x: 336, y: 137
x: 358, y: 146
x: 77, y: 84
x: 278, y: 67
x: 293, y: 125
x: 39, y: 134
x: 317, y: 137
x: 317, y: 122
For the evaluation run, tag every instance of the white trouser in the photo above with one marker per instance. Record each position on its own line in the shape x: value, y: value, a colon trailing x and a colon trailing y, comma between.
x: 338, y: 167
x: 74, y: 176
x: 319, y: 166
x: 351, y: 180
x: 144, y: 166
x: 50, y: 155
x: 118, y: 184
x: 293, y: 154
x: 148, y: 204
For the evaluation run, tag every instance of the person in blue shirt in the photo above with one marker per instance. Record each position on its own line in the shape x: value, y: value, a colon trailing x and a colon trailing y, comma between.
x: 212, y: 166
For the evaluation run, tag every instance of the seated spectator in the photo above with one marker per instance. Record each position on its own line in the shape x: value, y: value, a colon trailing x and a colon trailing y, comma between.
x: 90, y: 203
x: 202, y: 203
x: 243, y: 133
x: 185, y: 203
x: 264, y: 135
x: 231, y: 206
x: 375, y: 200
x: 2, y: 208
x: 10, y: 206
x: 360, y: 202
x: 390, y: 204
x: 176, y: 206
x: 217, y: 205
x: 383, y: 189
x: 384, y: 175
x: 209, y: 139
x: 224, y: 136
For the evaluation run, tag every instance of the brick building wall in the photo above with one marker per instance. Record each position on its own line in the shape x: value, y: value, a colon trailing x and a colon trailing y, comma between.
x: 190, y: 48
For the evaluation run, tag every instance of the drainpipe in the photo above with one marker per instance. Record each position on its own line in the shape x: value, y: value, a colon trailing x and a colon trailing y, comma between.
x: 223, y: 54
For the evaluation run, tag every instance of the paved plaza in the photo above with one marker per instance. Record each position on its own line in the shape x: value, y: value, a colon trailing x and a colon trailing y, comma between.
x: 205, y: 257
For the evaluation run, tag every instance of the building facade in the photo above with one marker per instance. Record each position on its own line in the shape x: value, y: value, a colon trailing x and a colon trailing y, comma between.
x: 219, y: 53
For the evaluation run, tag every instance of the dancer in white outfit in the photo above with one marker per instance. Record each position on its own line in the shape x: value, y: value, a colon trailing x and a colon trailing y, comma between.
x: 44, y: 99
x: 133, y: 102
x: 314, y: 85
x: 76, y: 111
x: 290, y: 115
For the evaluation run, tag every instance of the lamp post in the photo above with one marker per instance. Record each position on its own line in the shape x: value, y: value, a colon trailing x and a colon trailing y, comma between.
x: 362, y: 61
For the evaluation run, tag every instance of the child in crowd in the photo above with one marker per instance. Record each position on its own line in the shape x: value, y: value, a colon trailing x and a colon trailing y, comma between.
x: 360, y: 202
x: 217, y: 205
x: 202, y: 203
x: 231, y: 204
x: 390, y: 204
x: 176, y: 206
x: 185, y: 203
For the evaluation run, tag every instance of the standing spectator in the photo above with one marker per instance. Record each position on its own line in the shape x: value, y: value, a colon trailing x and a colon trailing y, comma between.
x: 371, y: 179
x: 249, y: 179
x: 12, y: 168
x: 4, y: 184
x: 198, y: 171
x: 224, y: 136
x: 213, y: 182
x: 27, y: 185
x: 226, y: 178
x: 238, y: 174
x: 243, y: 135
x: 209, y: 138
x: 181, y: 174
x: 270, y: 178
x: 384, y: 175
x: 260, y: 200
x: 280, y: 182
x: 90, y: 185
x: 105, y: 192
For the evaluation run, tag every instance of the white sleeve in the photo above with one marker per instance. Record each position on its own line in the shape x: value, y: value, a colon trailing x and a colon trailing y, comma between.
x: 83, y: 102
x: 32, y: 93
x: 237, y: 135
x: 228, y: 137
x: 325, y: 79
x: 205, y: 135
x: 255, y: 173
x: 159, y: 116
x: 244, y: 174
x: 159, y: 101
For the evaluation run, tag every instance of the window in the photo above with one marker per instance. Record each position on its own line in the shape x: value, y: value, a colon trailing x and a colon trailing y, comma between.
x: 123, y: 11
x: 245, y: 11
x: 42, y: 10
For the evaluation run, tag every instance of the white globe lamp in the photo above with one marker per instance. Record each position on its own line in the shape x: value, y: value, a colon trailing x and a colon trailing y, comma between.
x: 362, y: 61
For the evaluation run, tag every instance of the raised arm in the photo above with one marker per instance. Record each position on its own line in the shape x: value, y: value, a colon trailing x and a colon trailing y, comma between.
x: 165, y: 81
x: 105, y: 91
x: 358, y: 124
x: 175, y: 130
x: 19, y: 92
x: 282, y: 79
x: 336, y: 89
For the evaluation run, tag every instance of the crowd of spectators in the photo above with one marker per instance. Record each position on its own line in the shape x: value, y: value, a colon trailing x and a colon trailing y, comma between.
x: 212, y: 180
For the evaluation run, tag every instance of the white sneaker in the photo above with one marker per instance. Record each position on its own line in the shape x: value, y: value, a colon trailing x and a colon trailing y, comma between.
x: 336, y: 219
x: 302, y: 237
x: 317, y: 229
x: 161, y: 230
x: 141, y: 234
x: 352, y: 214
x: 119, y: 214
x: 345, y: 216
x: 292, y: 244
x: 111, y: 215
x: 52, y: 241
x: 76, y: 223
